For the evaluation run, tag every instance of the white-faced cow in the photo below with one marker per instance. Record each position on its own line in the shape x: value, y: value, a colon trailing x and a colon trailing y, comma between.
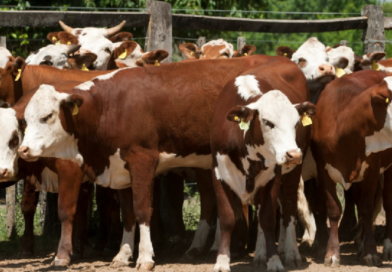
x: 169, y: 123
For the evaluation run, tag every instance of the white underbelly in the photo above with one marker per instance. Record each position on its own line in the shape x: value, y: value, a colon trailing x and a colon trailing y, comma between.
x: 171, y: 161
x: 50, y: 182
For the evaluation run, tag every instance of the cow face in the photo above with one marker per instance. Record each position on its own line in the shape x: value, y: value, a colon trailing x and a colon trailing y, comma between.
x: 44, y: 134
x: 10, y: 138
x: 52, y: 55
x: 217, y: 49
x: 313, y: 60
x: 278, y: 120
x: 5, y: 56
x: 338, y: 56
x: 101, y: 47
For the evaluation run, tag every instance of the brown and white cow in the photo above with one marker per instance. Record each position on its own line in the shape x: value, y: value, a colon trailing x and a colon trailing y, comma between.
x: 5, y: 57
x: 215, y: 49
x: 352, y: 143
x: 162, y: 125
x: 257, y: 140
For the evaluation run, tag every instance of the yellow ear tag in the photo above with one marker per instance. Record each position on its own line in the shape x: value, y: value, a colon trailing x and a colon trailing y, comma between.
x: 58, y: 43
x: 69, y: 43
x: 84, y: 68
x: 339, y: 72
x: 387, y: 100
x: 306, y: 121
x: 236, y: 118
x: 245, y: 54
x: 54, y: 38
x: 18, y: 75
x: 192, y: 53
x: 157, y: 63
x: 75, y: 109
x: 375, y: 66
x: 285, y: 54
x: 123, y: 55
x: 244, y: 125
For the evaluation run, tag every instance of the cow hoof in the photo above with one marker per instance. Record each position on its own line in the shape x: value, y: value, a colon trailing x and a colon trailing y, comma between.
x: 293, y: 262
x: 372, y: 260
x: 117, y: 264
x: 332, y: 261
x: 259, y: 261
x: 387, y: 250
x: 275, y: 265
x: 60, y: 262
x: 148, y: 266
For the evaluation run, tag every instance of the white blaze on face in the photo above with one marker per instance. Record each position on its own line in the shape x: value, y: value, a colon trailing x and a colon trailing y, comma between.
x: 335, y: 54
x: 84, y: 33
x: 44, y: 135
x: 130, y: 61
x: 4, y: 57
x: 10, y: 138
x: 275, y: 109
x: 381, y: 140
x: 52, y: 55
x: 100, y: 46
x: 314, y: 53
x: 226, y: 49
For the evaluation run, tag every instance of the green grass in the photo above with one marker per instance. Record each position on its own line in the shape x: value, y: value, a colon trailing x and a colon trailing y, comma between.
x: 191, y: 209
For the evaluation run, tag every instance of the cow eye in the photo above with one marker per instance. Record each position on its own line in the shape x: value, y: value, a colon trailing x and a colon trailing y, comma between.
x: 45, y: 119
x: 107, y: 50
x: 268, y: 123
x: 226, y: 55
x: 14, y: 140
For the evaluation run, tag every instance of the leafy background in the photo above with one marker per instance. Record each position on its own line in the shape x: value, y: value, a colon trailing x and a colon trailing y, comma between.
x: 22, y: 40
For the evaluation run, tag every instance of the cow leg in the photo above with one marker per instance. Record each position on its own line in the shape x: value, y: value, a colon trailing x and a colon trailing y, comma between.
x: 305, y: 216
x: 70, y: 178
x: 266, y: 202
x: 207, y: 212
x: 349, y: 220
x: 128, y: 240
x: 29, y: 205
x: 226, y: 222
x: 366, y: 209
x: 289, y: 201
x: 387, y: 198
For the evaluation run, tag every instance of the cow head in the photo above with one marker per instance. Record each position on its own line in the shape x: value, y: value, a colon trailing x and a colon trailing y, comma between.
x: 45, y: 134
x: 381, y: 95
x: 5, y: 57
x: 52, y: 55
x: 190, y: 50
x: 370, y: 61
x: 342, y: 57
x: 83, y: 62
x: 101, y: 47
x: 278, y: 120
x: 92, y: 31
x: 8, y: 77
x: 10, y: 138
x: 121, y: 37
x: 130, y: 54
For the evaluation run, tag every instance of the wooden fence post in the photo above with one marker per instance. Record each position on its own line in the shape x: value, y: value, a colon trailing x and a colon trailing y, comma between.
x: 159, y: 33
x: 241, y: 41
x: 374, y: 37
x: 201, y: 41
x: 3, y: 42
x: 344, y: 42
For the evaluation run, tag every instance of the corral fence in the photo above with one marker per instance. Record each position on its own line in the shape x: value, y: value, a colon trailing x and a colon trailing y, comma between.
x: 159, y: 22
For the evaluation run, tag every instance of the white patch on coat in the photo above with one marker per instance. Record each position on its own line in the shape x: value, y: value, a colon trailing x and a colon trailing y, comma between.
x: 4, y: 57
x: 248, y: 86
x: 169, y: 161
x: 228, y: 47
x: 335, y: 54
x: 261, y: 247
x: 146, y: 251
x: 364, y: 166
x: 85, y: 86
x: 48, y: 139
x: 314, y: 52
x: 201, y: 235
x: 305, y: 215
x: 309, y: 166
x: 274, y: 264
x: 50, y: 182
x: 336, y: 176
x: 100, y: 46
x: 116, y: 176
x: 88, y: 32
x: 388, y: 80
x: 222, y: 263
x: 385, y: 69
x: 58, y: 55
x: 127, y: 247
x: 9, y: 156
x: 291, y: 248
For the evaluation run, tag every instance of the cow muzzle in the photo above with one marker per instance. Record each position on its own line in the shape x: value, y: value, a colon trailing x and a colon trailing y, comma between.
x: 4, y: 173
x: 25, y: 153
x: 293, y: 157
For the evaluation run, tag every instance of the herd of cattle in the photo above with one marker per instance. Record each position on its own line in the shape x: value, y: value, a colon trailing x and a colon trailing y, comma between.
x: 251, y: 128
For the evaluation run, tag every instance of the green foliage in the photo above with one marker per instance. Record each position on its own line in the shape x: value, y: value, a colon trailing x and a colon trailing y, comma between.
x: 191, y: 209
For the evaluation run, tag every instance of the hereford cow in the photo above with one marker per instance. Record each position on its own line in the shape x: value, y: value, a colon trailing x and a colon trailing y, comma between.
x: 257, y: 139
x: 215, y: 49
x: 353, y: 146
x: 171, y: 125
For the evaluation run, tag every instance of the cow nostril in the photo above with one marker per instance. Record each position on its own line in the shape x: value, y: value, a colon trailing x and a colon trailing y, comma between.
x: 24, y: 150
x: 321, y: 68
x: 288, y: 155
x: 4, y: 172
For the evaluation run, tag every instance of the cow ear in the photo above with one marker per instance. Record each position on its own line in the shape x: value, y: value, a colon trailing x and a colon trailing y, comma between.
x: 72, y: 103
x: 18, y: 66
x: 306, y: 107
x: 381, y: 94
x: 53, y: 37
x: 155, y: 56
x: 121, y: 37
x: 369, y: 58
x: 284, y: 51
x: 240, y: 113
x: 190, y: 50
x: 67, y: 38
x: 246, y: 50
x: 124, y: 50
x: 78, y: 61
x: 342, y: 63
